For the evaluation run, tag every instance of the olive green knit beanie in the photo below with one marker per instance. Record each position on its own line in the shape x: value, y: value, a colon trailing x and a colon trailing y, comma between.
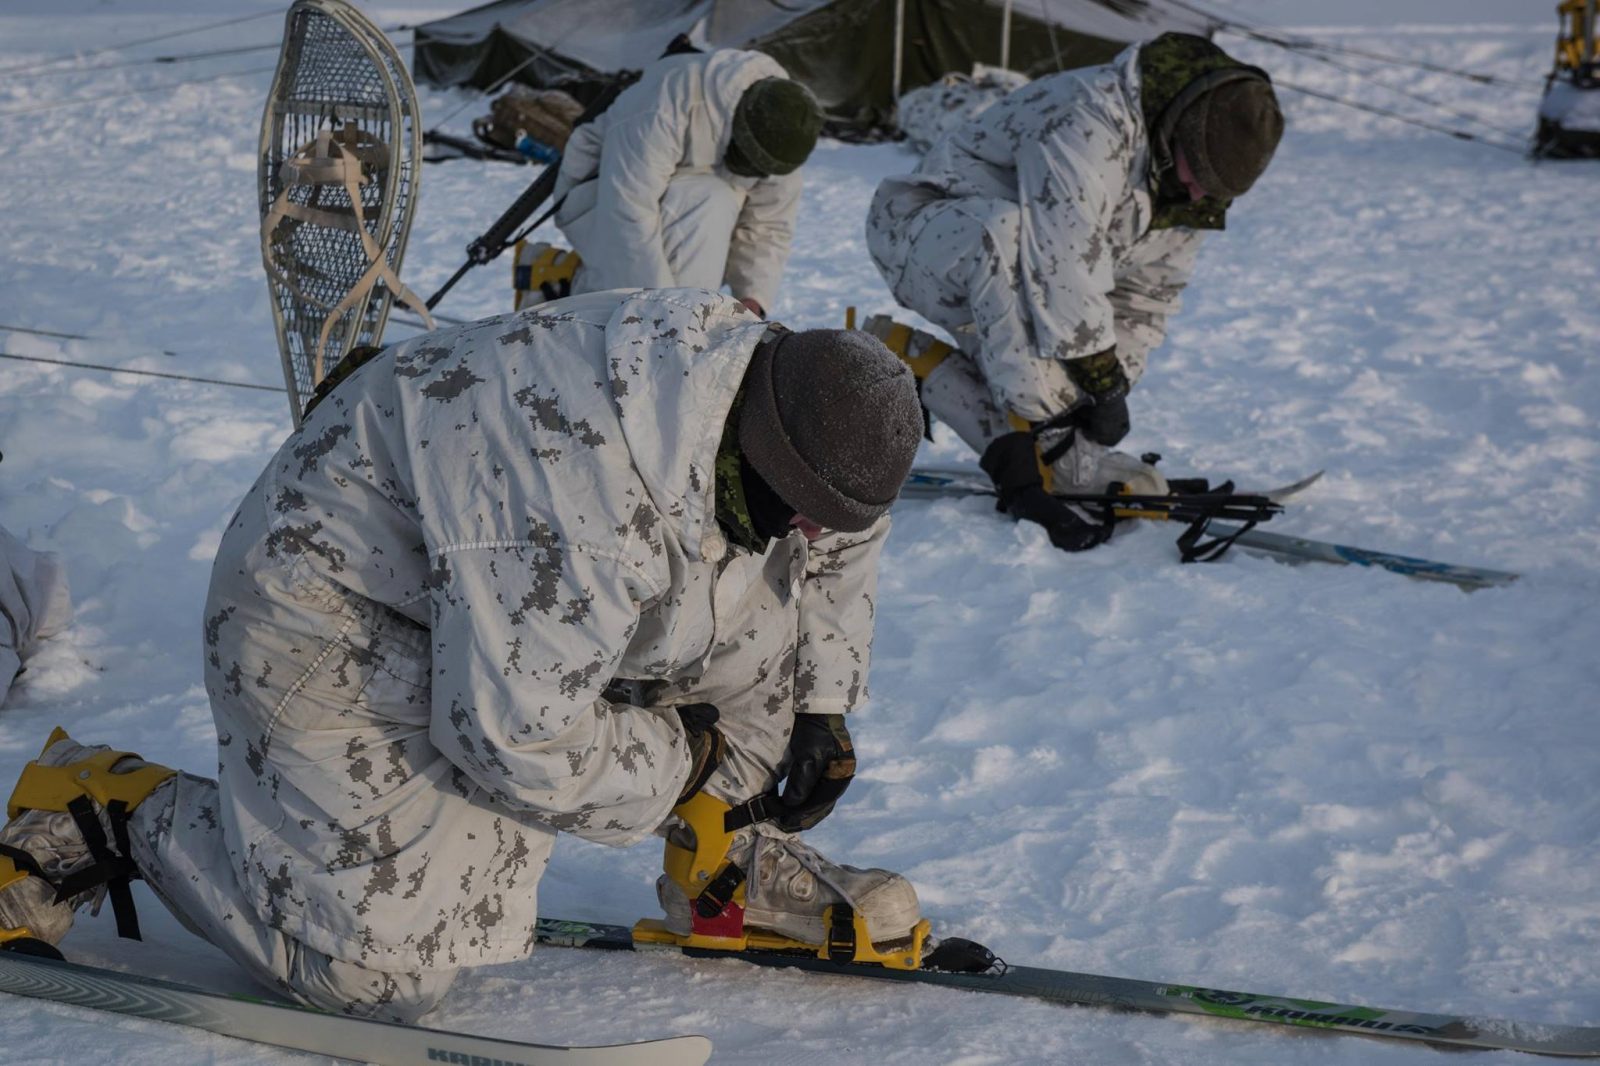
x: 1229, y: 130
x: 775, y: 126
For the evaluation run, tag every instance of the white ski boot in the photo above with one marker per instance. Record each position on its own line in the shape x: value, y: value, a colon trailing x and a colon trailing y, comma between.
x: 66, y: 841
x: 757, y: 887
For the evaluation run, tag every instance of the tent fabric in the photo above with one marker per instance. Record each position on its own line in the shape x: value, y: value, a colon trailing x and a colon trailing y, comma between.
x: 843, y: 50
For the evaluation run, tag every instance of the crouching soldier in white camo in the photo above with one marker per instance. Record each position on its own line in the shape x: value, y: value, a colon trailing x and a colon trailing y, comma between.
x: 1051, y: 236
x: 692, y: 177
x: 419, y: 622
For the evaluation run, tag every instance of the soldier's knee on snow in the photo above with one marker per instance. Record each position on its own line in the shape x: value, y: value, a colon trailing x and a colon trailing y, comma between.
x: 331, y: 984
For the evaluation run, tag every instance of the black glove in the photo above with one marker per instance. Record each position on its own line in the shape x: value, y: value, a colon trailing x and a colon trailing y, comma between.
x: 707, y: 745
x: 822, y: 762
x: 1069, y: 528
x: 1012, y: 463
x: 1103, y: 381
x: 1104, y: 422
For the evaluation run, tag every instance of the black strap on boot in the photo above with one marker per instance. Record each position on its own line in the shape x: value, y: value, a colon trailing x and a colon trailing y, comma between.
x: 115, y: 871
x: 764, y: 808
x: 841, y: 943
x: 719, y: 893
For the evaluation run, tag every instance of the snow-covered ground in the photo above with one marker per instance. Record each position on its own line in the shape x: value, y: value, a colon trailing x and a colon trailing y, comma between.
x: 1332, y: 783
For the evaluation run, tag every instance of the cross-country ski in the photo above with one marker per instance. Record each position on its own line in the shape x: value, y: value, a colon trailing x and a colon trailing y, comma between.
x: 305, y: 1029
x: 803, y: 482
x: 1157, y: 997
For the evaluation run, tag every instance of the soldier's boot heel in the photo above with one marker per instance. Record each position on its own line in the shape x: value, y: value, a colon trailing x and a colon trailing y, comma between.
x: 65, y: 841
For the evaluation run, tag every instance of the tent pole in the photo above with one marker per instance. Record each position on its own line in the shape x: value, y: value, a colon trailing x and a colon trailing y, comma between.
x: 1005, y: 38
x: 899, y: 45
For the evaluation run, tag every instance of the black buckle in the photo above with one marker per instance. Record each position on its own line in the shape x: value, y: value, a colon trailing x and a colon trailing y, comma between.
x: 764, y: 808
x: 841, y: 943
x: 719, y: 893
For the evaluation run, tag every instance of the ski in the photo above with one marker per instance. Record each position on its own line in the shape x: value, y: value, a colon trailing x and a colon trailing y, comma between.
x: 1300, y: 549
x: 315, y: 1031
x: 1093, y: 990
x: 928, y: 482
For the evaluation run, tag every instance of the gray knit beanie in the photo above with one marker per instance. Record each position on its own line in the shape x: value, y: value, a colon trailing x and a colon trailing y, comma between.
x: 1229, y: 132
x: 832, y: 421
x: 775, y: 126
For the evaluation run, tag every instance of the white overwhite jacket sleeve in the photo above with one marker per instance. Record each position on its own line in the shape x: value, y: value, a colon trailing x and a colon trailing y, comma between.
x: 641, y: 155
x: 762, y: 238
x: 526, y: 637
x: 1070, y: 181
x: 837, y: 600
x: 1149, y: 290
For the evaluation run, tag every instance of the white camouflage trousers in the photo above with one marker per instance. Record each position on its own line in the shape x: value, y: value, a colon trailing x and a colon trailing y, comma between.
x: 183, y: 856
x: 956, y: 263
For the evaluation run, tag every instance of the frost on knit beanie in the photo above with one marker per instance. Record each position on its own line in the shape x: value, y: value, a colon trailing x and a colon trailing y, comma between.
x: 831, y: 421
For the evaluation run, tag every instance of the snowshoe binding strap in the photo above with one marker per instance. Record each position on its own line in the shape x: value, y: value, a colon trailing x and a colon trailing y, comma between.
x: 341, y: 158
x: 113, y: 869
x: 1192, y: 549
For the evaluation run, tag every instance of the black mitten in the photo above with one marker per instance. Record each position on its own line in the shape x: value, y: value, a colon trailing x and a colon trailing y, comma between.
x: 1011, y: 462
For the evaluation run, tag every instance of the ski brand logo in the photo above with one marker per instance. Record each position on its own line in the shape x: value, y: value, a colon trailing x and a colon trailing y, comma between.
x: 436, y: 1054
x: 1242, y: 1004
x: 1313, y: 1018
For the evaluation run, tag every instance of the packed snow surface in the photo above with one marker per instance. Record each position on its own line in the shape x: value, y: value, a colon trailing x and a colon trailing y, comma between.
x: 1325, y: 782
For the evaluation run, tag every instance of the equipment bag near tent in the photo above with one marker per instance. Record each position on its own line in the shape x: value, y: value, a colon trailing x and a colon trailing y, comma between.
x: 857, y: 56
x: 1569, y: 114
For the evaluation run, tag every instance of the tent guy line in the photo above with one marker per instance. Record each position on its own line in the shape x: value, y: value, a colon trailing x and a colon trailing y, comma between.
x: 191, y: 57
x: 142, y: 41
x: 141, y: 373
x: 1307, y: 45
x: 1460, y: 135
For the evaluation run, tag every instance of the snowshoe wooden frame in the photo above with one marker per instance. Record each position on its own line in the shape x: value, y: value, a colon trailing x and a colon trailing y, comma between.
x: 340, y: 158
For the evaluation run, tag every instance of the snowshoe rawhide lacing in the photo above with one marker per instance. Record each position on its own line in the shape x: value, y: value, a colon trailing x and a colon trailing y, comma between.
x: 66, y: 840
x: 755, y: 887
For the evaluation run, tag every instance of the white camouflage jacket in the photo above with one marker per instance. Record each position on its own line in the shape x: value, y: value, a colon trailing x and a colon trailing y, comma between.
x: 1072, y: 151
x: 675, y: 120
x: 532, y: 496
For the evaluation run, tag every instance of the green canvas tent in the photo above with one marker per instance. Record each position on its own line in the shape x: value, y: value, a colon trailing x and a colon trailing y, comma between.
x: 856, y: 55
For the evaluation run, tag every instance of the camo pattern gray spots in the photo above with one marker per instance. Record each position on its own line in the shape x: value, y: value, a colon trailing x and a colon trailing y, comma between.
x: 927, y: 113
x: 183, y: 857
x: 408, y: 639
x: 1026, y: 232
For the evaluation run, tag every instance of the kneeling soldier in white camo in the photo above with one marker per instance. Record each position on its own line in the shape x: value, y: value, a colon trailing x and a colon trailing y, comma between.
x: 422, y: 624
x: 692, y: 177
x: 1052, y: 236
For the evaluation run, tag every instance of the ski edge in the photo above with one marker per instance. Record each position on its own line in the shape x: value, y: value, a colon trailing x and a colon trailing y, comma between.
x: 307, y: 1029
